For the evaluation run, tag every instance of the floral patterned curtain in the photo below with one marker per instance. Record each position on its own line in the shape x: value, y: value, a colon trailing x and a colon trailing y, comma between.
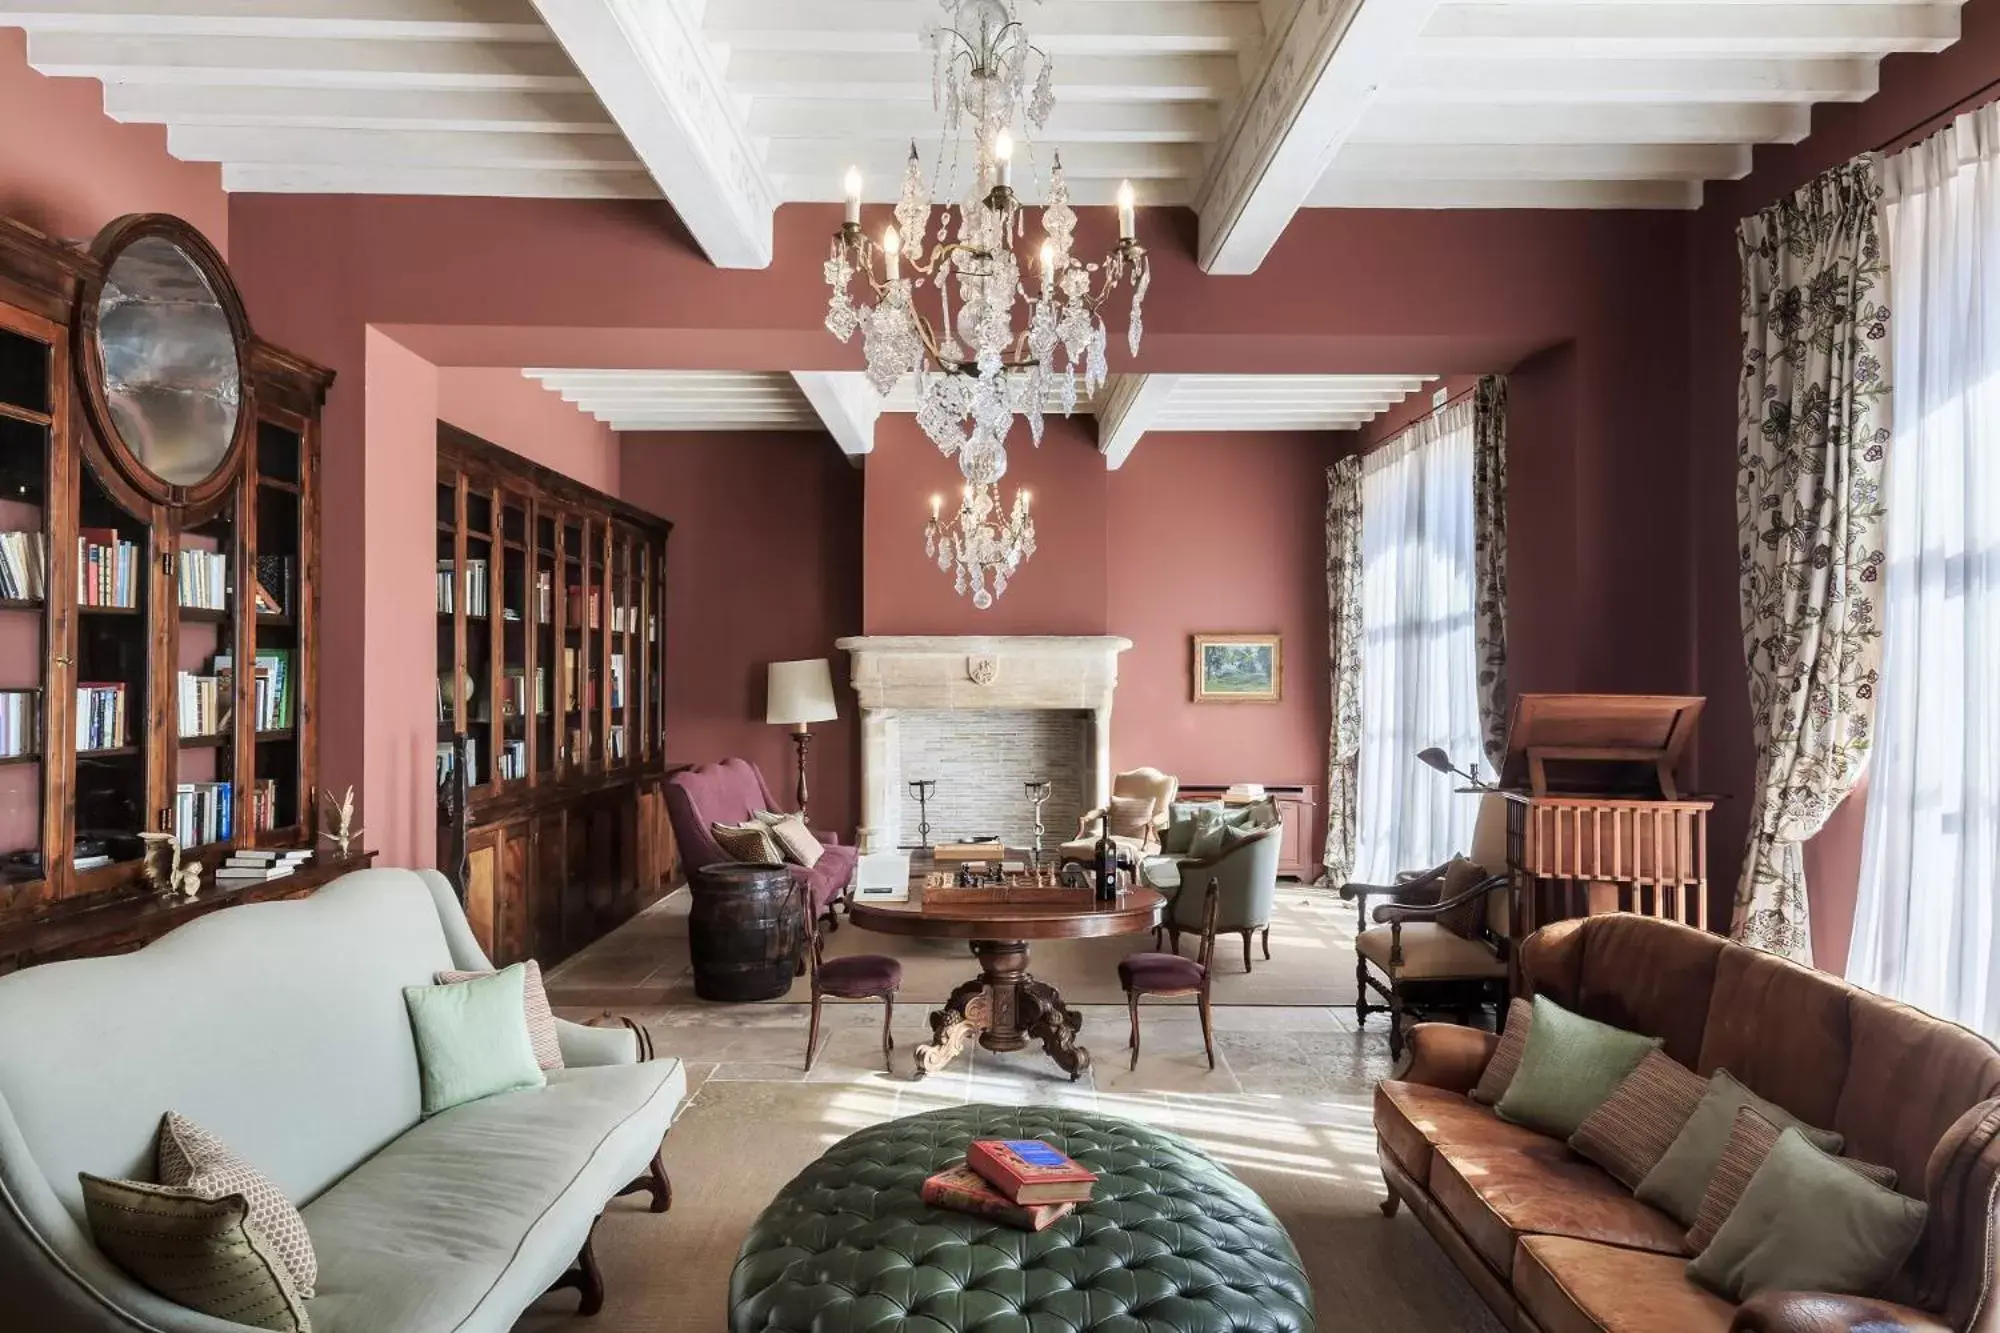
x: 1343, y: 653
x: 1489, y: 559
x: 1813, y: 420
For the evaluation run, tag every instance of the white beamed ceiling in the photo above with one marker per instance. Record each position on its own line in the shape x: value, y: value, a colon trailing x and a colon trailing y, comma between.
x: 684, y: 399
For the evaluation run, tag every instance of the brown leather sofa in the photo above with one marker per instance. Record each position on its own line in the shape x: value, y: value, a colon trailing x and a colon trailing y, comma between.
x: 1555, y: 1245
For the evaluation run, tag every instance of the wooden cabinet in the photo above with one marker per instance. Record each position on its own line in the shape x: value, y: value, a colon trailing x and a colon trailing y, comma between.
x: 1298, y: 858
x: 159, y: 547
x: 551, y: 650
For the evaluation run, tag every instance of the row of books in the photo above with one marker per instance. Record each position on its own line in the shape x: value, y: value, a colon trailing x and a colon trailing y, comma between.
x: 100, y: 715
x: 1022, y: 1183
x: 204, y: 703
x: 202, y: 812
x: 107, y: 569
x: 446, y: 762
x: 577, y: 602
x: 264, y: 804
x: 513, y: 763
x: 545, y: 598
x: 203, y: 580
x: 261, y: 863
x: 20, y: 722
x: 272, y: 688
x: 475, y: 587
x: 614, y: 742
x: 24, y: 566
x: 515, y: 693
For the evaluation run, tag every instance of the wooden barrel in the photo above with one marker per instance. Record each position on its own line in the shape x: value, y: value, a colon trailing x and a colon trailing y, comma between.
x: 744, y: 931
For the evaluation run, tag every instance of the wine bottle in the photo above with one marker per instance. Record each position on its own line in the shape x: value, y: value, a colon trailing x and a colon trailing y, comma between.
x: 1107, y: 867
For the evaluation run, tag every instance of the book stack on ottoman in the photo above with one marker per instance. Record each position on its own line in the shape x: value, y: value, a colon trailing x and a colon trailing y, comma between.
x: 1022, y: 1183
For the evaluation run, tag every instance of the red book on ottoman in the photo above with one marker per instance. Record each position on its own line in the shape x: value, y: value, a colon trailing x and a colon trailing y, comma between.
x: 1029, y: 1171
x: 961, y: 1189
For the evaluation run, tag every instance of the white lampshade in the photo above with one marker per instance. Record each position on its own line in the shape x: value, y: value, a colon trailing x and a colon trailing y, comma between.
x: 800, y: 692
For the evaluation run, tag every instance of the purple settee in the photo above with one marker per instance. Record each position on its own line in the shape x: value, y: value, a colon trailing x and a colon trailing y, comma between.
x: 729, y: 793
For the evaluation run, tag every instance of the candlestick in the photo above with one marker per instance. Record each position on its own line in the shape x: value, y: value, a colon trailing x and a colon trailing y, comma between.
x: 853, y: 184
x: 1127, y: 204
x: 937, y: 505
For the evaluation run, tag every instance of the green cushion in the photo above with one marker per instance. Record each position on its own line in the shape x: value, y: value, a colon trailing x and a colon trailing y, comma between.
x: 1806, y: 1222
x: 1235, y: 835
x: 1679, y: 1179
x: 1572, y: 1064
x: 472, y: 1039
x: 1209, y: 826
x: 204, y: 1254
x: 1180, y: 825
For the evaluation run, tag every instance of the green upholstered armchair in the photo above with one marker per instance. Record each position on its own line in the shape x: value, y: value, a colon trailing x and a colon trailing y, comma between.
x: 1247, y: 879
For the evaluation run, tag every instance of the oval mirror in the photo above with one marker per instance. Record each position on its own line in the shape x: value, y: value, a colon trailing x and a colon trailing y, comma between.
x: 173, y: 377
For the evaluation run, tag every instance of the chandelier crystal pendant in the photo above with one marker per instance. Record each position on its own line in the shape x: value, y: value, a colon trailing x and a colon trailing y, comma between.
x: 978, y: 543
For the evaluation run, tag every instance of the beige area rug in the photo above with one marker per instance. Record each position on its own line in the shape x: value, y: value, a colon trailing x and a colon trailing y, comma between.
x: 1288, y: 1110
x: 644, y: 963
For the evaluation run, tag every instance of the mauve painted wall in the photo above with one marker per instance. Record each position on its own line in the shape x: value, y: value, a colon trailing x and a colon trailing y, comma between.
x: 764, y: 566
x: 503, y: 405
x: 1914, y: 90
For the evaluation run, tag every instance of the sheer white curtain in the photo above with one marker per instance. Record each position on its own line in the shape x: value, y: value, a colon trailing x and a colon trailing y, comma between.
x: 1926, y: 928
x: 1419, y: 657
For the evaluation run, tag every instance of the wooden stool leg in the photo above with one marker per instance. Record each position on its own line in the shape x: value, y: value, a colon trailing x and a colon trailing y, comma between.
x: 888, y: 1042
x: 1246, y: 950
x: 1132, y: 1002
x: 1267, y: 944
x: 812, y: 1037
x: 1207, y: 1027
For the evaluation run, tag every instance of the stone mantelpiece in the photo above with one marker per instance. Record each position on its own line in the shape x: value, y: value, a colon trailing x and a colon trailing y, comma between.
x: 893, y: 674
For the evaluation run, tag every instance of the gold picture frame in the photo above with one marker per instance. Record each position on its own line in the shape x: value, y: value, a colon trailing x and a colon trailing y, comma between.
x: 1239, y: 668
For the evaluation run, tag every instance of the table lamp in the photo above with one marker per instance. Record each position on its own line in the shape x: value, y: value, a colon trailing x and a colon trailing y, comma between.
x: 799, y: 694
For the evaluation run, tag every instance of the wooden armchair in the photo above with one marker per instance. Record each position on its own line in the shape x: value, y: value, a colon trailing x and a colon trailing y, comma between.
x: 1442, y: 941
x: 1135, y: 841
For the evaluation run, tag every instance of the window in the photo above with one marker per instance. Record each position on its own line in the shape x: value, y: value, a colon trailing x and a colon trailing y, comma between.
x: 1419, y: 660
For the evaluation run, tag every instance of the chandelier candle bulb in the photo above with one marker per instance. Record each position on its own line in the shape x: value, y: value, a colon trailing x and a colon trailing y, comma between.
x: 853, y: 185
x: 1048, y: 269
x: 892, y: 253
x: 1003, y: 154
x: 1128, y: 227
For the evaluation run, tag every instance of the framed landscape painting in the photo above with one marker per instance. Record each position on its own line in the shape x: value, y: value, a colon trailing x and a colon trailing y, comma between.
x: 1238, y: 668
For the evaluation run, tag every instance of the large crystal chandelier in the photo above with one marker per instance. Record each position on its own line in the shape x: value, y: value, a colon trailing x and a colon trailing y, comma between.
x: 982, y: 338
x: 978, y: 541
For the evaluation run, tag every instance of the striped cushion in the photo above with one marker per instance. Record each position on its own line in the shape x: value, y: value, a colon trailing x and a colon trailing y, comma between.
x: 189, y: 1158
x: 204, y: 1254
x: 1750, y: 1142
x: 750, y: 844
x: 1631, y: 1131
x: 535, y: 1000
x: 796, y: 841
x: 1507, y: 1055
x: 1130, y: 816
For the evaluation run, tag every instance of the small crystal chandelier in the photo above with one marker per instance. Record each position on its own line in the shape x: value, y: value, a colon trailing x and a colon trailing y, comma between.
x: 978, y: 362
x: 977, y: 543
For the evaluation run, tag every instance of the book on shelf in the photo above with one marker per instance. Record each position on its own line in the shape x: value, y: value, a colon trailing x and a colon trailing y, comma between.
x: 541, y: 691
x: 614, y: 742
x: 100, y: 715
x: 267, y: 856
x: 107, y: 569
x: 20, y: 723
x: 24, y: 566
x: 513, y: 763
x: 271, y: 686
x: 964, y: 1190
x: 513, y: 692
x: 447, y: 585
x: 274, y: 585
x: 545, y: 598
x: 202, y: 580
x: 445, y: 760
x: 204, y: 703
x: 229, y: 874
x: 264, y: 804
x: 569, y: 679
x: 202, y: 812
x: 90, y: 861
x: 1029, y: 1170
x: 617, y: 680
x: 576, y: 602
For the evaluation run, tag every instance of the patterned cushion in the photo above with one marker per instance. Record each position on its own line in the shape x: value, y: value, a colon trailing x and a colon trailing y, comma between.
x: 750, y: 843
x: 1629, y: 1134
x: 535, y: 998
x: 205, y: 1254
x: 1750, y: 1142
x: 1507, y: 1055
x: 191, y: 1158
x: 1460, y: 876
x: 1130, y: 816
x: 796, y: 842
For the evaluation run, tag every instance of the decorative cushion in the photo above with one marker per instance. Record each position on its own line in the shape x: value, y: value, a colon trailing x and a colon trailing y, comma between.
x: 860, y: 975
x: 750, y: 843
x: 1235, y: 835
x: 535, y: 1004
x: 1571, y: 1066
x: 1180, y: 825
x: 1253, y: 814
x: 1499, y: 1071
x: 1130, y: 816
x: 472, y: 1039
x: 1209, y: 825
x: 1636, y: 1125
x: 1430, y: 953
x: 1158, y: 971
x: 1679, y: 1179
x: 192, y: 1159
x: 204, y: 1254
x: 796, y: 842
x: 1461, y: 875
x: 1750, y: 1142
x: 1806, y: 1222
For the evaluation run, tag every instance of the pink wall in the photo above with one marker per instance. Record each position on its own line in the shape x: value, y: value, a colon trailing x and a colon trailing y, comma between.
x: 764, y: 566
x: 502, y: 405
x: 67, y: 168
x: 1915, y: 89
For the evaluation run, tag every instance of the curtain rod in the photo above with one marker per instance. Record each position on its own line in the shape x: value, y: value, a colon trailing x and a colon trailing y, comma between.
x: 1920, y: 131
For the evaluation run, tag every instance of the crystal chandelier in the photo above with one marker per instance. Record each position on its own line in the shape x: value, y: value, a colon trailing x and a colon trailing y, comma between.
x: 977, y: 542
x: 963, y: 319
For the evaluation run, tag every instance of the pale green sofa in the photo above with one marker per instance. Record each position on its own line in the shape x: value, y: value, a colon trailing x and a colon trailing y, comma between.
x: 281, y: 1027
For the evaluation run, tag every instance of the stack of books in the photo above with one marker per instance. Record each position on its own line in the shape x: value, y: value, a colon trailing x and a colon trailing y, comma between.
x: 203, y: 580
x: 100, y: 715
x: 513, y: 760
x: 107, y: 569
x: 24, y: 566
x: 264, y: 804
x: 202, y: 813
x: 1022, y: 1183
x: 261, y: 863
x: 203, y: 704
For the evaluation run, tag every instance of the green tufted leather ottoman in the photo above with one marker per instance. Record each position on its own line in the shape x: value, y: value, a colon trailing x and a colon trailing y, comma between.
x: 1170, y: 1242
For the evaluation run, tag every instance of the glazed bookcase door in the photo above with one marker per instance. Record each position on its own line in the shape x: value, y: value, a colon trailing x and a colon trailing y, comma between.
x: 513, y: 590
x: 205, y: 574
x: 278, y: 796
x: 120, y: 708
x: 546, y: 661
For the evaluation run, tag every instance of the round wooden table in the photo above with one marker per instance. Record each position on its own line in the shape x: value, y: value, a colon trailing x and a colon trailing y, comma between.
x: 1004, y: 1006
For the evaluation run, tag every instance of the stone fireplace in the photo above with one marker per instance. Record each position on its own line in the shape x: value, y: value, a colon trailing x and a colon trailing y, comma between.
x: 981, y: 715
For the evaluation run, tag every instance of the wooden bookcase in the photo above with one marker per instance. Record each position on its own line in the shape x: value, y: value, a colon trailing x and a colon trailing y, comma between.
x: 159, y: 526
x: 551, y: 650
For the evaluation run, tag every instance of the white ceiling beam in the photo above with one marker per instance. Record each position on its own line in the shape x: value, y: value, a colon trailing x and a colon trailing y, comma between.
x: 1130, y: 403
x: 1076, y: 27
x: 241, y: 145
x: 1428, y: 79
x: 1323, y: 71
x: 669, y: 424
x: 823, y: 186
x: 908, y: 77
x: 392, y: 20
x: 458, y: 110
x: 1542, y: 162
x: 882, y: 163
x: 1071, y: 122
x: 1624, y: 28
x: 846, y: 404
x: 331, y: 63
x: 1374, y: 192
x: 652, y: 72
x: 1634, y: 123
x: 498, y: 183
